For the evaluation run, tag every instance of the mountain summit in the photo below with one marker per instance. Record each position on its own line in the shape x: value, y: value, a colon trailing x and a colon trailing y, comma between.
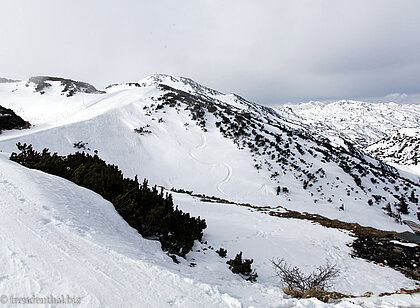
x: 270, y: 187
x: 183, y: 135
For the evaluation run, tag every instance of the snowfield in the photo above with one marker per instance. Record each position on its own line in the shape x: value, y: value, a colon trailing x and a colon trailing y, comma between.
x: 176, y: 153
x: 58, y: 238
x: 61, y: 239
x: 362, y: 122
x: 388, y: 131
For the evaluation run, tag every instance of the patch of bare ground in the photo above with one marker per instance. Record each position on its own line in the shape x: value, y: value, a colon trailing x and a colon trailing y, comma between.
x: 370, y: 244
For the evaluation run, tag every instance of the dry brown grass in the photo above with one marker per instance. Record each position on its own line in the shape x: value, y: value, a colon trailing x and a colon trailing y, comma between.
x: 333, y: 223
x: 300, y: 285
x: 318, y: 293
x: 401, y: 291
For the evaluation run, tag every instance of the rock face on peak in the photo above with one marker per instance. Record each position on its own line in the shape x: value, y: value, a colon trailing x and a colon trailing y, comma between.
x: 188, y: 84
x: 70, y: 87
x: 6, y: 80
x: 178, y: 83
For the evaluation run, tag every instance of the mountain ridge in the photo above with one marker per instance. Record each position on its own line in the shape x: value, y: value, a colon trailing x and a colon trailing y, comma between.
x: 362, y: 123
x: 201, y: 126
x: 266, y: 185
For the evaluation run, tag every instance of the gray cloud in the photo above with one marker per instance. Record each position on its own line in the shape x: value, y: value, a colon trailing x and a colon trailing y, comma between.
x: 266, y: 51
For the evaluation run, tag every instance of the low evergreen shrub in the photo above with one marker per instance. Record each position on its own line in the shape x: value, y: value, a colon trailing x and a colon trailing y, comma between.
x: 149, y: 211
x: 243, y: 267
x: 222, y: 252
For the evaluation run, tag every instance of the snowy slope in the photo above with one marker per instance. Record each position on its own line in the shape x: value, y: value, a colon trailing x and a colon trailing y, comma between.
x: 60, y: 239
x: 402, y: 147
x: 379, y: 129
x: 362, y: 123
x: 195, y: 138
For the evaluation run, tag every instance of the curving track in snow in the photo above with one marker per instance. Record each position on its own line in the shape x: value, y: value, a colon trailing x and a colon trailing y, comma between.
x: 229, y: 170
x: 225, y: 180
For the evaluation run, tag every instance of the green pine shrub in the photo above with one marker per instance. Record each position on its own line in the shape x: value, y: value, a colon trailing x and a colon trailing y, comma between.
x: 243, y: 267
x: 221, y: 252
x: 149, y: 211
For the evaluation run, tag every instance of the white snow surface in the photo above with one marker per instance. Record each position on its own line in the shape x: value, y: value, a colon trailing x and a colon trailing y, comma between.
x: 58, y: 238
x: 361, y: 122
x: 370, y: 126
x: 61, y: 239
x: 177, y: 153
x: 402, y: 147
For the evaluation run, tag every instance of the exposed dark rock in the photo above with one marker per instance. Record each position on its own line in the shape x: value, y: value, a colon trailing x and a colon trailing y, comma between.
x: 10, y: 120
x: 71, y: 87
x: 409, y: 237
x: 130, y: 84
x: 399, y: 148
x: 384, y: 252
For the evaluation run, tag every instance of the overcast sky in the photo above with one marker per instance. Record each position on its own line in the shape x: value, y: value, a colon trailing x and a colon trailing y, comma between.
x: 267, y: 51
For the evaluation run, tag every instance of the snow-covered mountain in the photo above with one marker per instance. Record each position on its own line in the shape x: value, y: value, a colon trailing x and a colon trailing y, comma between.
x: 68, y: 87
x: 402, y: 147
x: 362, y: 123
x: 65, y: 242
x: 182, y: 135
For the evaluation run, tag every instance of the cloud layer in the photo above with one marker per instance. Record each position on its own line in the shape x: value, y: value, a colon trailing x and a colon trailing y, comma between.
x: 267, y: 51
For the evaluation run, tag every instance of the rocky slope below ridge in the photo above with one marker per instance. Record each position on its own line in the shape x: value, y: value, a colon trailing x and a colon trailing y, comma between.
x: 265, y: 156
x: 362, y: 123
x: 402, y: 147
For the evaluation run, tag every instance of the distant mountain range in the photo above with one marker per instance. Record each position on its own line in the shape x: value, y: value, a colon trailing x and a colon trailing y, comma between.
x: 379, y: 129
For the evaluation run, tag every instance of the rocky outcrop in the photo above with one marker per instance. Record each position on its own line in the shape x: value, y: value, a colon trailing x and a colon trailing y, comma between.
x: 70, y: 87
x: 10, y: 120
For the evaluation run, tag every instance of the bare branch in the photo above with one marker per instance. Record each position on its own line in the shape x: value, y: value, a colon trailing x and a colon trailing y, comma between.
x: 295, y: 279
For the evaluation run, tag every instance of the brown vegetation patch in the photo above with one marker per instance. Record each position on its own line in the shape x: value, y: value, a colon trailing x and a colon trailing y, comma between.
x: 370, y: 244
x: 322, y: 295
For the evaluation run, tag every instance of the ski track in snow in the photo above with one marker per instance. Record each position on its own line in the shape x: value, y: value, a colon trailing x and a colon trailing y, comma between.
x: 43, y: 253
x: 59, y: 238
x: 225, y: 180
x: 224, y: 165
x: 202, y: 145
